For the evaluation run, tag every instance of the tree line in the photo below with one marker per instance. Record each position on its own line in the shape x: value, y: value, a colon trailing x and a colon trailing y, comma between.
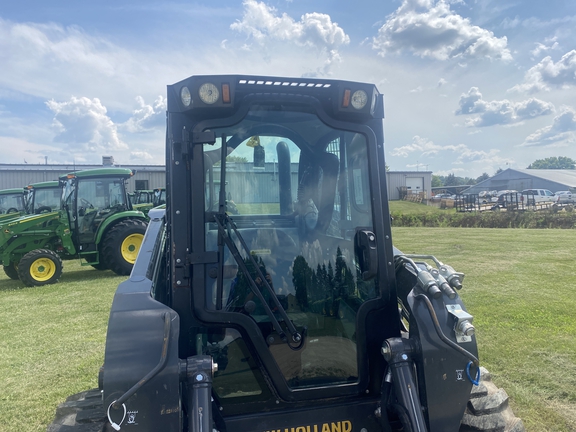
x: 560, y: 162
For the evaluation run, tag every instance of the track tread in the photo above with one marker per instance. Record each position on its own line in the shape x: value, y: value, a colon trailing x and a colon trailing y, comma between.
x: 488, y: 409
x: 81, y: 412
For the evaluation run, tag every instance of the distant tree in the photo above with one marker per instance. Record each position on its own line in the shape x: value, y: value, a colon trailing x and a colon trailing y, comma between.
x: 498, y: 171
x: 561, y: 162
x: 467, y: 181
x: 483, y: 177
x: 436, y: 181
x: 451, y: 180
x: 239, y: 159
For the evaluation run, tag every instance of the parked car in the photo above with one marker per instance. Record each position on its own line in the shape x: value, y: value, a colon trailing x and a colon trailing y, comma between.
x: 507, y: 198
x: 565, y: 197
x: 538, y: 196
x: 444, y: 196
x: 488, y: 196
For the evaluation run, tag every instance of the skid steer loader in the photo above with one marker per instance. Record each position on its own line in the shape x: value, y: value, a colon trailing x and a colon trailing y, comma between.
x: 293, y: 312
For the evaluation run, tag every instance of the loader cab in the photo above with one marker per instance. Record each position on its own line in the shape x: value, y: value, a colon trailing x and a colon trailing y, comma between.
x: 89, y: 198
x: 43, y: 197
x: 279, y: 236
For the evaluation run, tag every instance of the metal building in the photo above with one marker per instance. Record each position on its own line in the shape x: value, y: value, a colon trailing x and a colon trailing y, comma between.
x: 21, y: 175
x: 519, y: 179
x: 240, y: 176
x: 401, y: 183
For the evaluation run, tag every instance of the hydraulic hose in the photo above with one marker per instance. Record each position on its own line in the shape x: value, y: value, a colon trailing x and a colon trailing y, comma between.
x: 441, y: 335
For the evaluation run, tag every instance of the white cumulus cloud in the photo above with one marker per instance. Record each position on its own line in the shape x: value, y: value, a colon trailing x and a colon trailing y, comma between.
x: 141, y: 156
x: 503, y: 112
x: 424, y: 147
x: 547, y: 74
x: 431, y: 29
x: 146, y: 117
x: 562, y: 131
x: 540, y: 47
x: 83, y: 126
x: 264, y: 24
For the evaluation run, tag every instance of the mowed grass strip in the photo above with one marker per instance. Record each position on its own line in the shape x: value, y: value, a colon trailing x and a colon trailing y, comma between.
x: 52, y: 343
x: 520, y: 286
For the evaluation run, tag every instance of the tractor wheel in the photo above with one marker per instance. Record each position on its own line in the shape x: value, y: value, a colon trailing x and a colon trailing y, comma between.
x: 121, y: 245
x: 43, y: 209
x: 40, y: 267
x: 82, y: 412
x: 488, y: 409
x: 11, y: 271
x: 100, y: 266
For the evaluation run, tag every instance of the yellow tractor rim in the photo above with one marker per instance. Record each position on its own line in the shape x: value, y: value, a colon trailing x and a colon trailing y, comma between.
x: 131, y: 246
x: 42, y: 269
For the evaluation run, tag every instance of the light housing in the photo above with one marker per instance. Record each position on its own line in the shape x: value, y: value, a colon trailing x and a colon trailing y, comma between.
x: 359, y: 99
x: 185, y: 96
x: 226, y: 93
x: 208, y: 93
x: 346, y: 99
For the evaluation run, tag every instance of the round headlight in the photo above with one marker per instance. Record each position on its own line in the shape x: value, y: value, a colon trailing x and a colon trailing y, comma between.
x: 208, y: 93
x: 185, y: 96
x: 359, y: 99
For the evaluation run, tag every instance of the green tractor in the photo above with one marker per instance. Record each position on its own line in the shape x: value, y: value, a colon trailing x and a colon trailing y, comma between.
x: 144, y: 200
x: 35, y: 198
x: 12, y: 204
x: 43, y: 197
x: 95, y: 223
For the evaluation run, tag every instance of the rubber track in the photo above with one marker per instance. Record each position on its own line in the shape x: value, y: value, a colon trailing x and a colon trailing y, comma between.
x: 488, y: 409
x: 82, y: 412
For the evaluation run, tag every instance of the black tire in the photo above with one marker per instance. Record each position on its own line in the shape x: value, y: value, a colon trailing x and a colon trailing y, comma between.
x: 99, y: 266
x: 11, y: 271
x: 40, y: 267
x: 43, y: 209
x: 121, y: 244
x: 82, y: 412
x: 488, y: 410
x: 12, y: 210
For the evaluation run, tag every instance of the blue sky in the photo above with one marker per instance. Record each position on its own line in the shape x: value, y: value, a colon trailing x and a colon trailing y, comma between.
x: 469, y: 86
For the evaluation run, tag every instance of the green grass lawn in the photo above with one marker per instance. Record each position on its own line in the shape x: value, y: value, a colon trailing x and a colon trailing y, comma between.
x: 52, y: 343
x: 519, y: 286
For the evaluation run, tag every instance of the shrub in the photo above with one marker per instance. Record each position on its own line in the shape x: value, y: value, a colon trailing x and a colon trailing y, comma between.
x: 504, y: 219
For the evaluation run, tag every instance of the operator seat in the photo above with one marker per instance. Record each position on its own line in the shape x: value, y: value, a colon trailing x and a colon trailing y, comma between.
x: 317, y: 181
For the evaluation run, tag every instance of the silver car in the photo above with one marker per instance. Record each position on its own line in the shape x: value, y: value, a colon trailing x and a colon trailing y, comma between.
x: 565, y: 197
